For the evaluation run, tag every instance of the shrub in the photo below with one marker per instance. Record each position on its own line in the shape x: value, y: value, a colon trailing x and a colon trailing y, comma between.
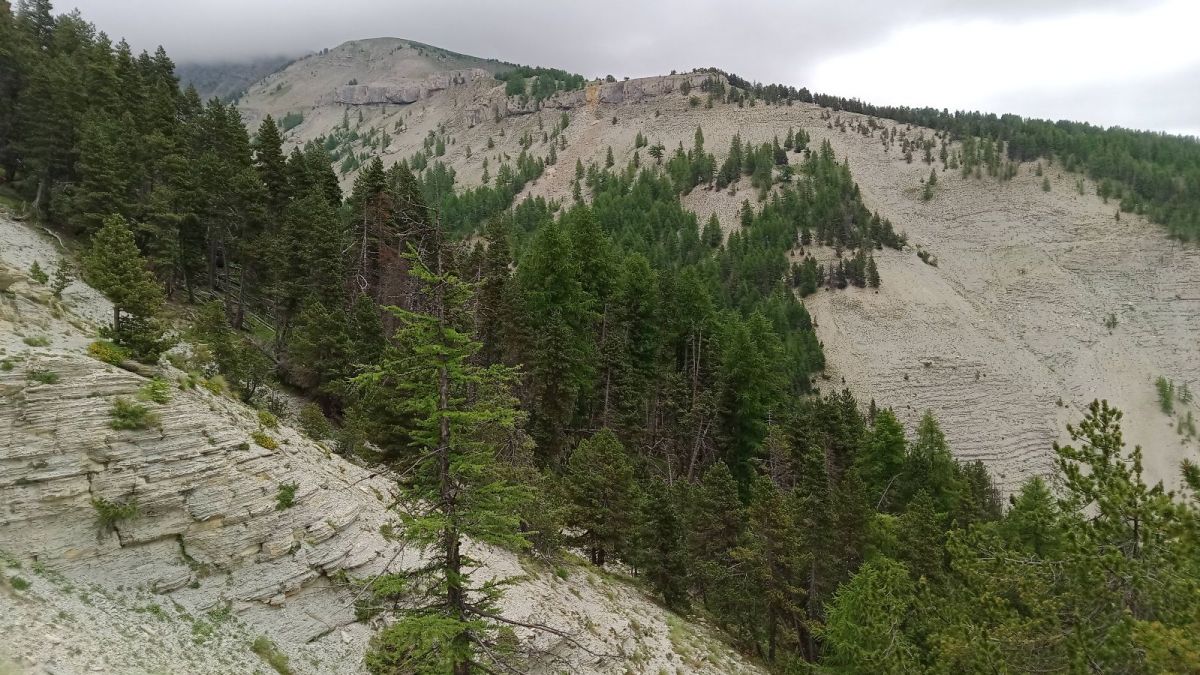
x: 38, y: 274
x: 6, y: 365
x: 157, y: 390
x: 19, y: 583
x: 145, y: 339
x: 271, y: 654
x: 263, y: 440
x: 268, y: 420
x: 285, y: 498
x: 129, y: 415
x: 314, y: 423
x: 106, y: 351
x: 37, y: 341
x: 108, y: 514
x: 43, y: 376
x: 216, y: 384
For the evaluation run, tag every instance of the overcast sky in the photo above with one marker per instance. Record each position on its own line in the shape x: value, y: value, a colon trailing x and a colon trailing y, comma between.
x: 1130, y: 62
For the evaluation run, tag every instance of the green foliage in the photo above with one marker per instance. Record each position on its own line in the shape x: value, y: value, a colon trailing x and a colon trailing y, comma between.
x: 285, y: 496
x: 267, y: 650
x: 156, y: 390
x: 64, y: 274
x: 538, y: 83
x: 109, y: 514
x: 38, y: 274
x: 129, y: 415
x: 267, y: 419
x: 290, y: 121
x: 264, y: 440
x: 1166, y: 394
x: 43, y: 376
x: 115, y: 267
x: 19, y: 583
x: 603, y: 495
x: 456, y: 416
x: 108, y: 352
x: 864, y: 631
x: 36, y: 341
x: 314, y: 423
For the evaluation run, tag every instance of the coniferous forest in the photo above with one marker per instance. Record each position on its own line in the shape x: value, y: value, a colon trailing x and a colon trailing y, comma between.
x: 608, y: 377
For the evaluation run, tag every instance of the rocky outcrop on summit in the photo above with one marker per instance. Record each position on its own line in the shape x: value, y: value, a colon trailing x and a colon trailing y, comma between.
x: 643, y: 89
x: 403, y: 90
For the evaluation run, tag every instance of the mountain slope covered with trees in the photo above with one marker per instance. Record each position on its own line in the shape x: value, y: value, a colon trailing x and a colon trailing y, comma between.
x: 602, y: 372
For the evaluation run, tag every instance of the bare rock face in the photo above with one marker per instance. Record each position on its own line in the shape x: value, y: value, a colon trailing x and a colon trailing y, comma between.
x: 645, y: 88
x: 207, y: 496
x: 634, y: 91
x: 404, y: 90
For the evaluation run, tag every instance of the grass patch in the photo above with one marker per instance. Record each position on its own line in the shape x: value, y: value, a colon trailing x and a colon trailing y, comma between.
x: 19, y: 583
x: 103, y: 350
x: 157, y: 390
x: 264, y: 440
x: 129, y: 415
x: 6, y: 365
x: 108, y: 514
x: 37, y: 341
x: 271, y: 654
x: 268, y: 420
x: 43, y: 376
x: 285, y: 497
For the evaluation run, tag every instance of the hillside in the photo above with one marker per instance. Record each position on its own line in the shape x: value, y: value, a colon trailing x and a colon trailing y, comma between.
x: 1004, y: 340
x: 411, y: 361
x: 211, y: 562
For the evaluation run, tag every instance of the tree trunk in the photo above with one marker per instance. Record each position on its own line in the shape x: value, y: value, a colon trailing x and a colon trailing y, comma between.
x: 240, y: 315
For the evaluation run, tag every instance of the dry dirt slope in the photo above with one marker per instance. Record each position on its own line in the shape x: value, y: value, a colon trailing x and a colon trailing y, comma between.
x: 1009, y: 323
x: 210, y: 562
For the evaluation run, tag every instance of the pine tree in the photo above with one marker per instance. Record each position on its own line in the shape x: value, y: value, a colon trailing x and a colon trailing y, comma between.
x: 601, y: 486
x: 115, y: 267
x: 872, y: 273
x: 712, y: 236
x: 461, y: 414
x: 881, y: 460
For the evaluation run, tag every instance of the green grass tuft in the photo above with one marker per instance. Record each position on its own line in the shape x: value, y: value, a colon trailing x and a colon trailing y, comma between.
x: 43, y: 376
x: 157, y: 390
x: 108, y: 514
x: 268, y: 420
x: 271, y: 654
x: 129, y: 415
x: 285, y: 498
